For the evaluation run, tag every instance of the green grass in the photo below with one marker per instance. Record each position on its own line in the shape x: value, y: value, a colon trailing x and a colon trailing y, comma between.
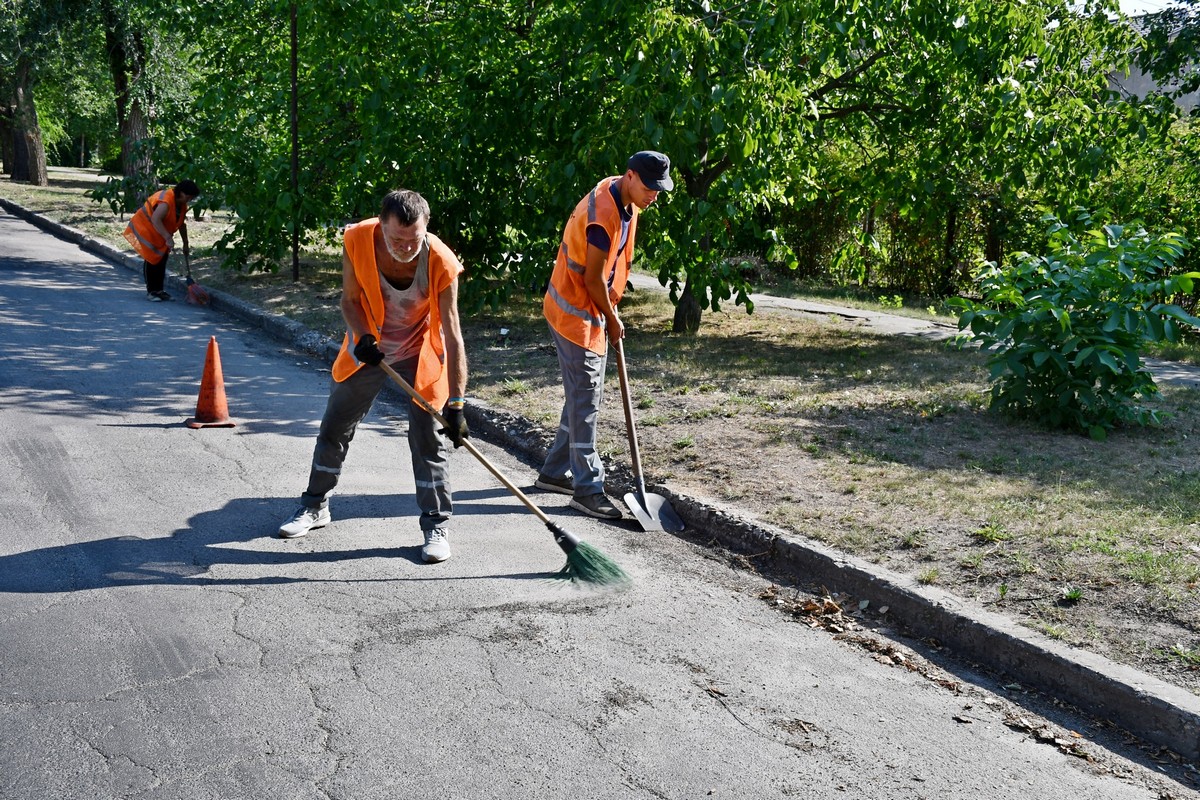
x: 1188, y: 656
x: 1186, y: 351
x: 514, y: 387
x: 1057, y: 632
x: 1070, y: 594
x: 991, y: 533
x: 895, y: 302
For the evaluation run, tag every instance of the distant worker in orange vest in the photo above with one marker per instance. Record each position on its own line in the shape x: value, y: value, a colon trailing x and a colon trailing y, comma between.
x: 400, y: 303
x: 588, y: 282
x: 152, y: 230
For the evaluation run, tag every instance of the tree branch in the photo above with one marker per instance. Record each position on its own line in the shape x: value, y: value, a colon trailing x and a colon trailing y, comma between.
x: 847, y: 77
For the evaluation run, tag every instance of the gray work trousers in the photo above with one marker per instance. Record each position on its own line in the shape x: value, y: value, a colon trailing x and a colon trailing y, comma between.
x: 349, y: 402
x: 574, y: 445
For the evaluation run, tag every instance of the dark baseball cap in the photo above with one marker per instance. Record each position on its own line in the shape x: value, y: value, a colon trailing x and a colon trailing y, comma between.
x: 654, y: 169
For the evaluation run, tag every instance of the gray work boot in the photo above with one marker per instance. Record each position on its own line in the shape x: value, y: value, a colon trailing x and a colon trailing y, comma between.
x: 597, y: 505
x: 304, y: 520
x: 437, y: 545
x: 563, y: 485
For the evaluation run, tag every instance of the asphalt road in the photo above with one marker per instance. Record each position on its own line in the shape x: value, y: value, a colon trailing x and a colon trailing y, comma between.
x: 156, y: 640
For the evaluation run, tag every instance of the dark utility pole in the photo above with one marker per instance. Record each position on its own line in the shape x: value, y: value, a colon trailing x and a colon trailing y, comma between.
x: 295, y: 159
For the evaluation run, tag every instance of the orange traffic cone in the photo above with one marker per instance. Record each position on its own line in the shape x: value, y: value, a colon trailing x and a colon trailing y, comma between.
x: 211, y: 409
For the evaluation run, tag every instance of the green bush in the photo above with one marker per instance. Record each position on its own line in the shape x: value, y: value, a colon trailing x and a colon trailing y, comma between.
x: 1066, y: 329
x: 124, y: 195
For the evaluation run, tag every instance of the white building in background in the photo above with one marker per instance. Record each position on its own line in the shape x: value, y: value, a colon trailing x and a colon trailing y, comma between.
x: 1140, y: 84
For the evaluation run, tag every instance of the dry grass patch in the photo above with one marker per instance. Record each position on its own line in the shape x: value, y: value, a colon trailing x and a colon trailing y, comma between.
x: 882, y: 446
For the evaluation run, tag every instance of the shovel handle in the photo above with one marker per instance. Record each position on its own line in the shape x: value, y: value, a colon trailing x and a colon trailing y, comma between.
x: 433, y: 412
x: 627, y: 403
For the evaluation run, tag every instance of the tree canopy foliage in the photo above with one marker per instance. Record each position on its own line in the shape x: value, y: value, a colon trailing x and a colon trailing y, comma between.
x: 895, y: 143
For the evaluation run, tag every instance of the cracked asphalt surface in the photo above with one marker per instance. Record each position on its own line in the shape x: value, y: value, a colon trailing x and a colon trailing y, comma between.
x: 156, y: 640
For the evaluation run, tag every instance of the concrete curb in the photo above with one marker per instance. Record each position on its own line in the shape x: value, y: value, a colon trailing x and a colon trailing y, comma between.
x: 1146, y: 706
x: 1141, y: 704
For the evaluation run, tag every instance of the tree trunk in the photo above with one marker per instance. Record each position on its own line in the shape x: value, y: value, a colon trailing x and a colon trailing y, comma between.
x: 8, y: 153
x: 994, y: 245
x: 868, y: 234
x: 949, y: 278
x: 20, y: 151
x: 30, y: 154
x: 687, y: 311
x: 126, y: 61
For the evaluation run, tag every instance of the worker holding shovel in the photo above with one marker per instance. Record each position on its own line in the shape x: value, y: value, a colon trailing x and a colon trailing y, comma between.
x: 400, y: 303
x: 151, y: 232
x: 585, y: 288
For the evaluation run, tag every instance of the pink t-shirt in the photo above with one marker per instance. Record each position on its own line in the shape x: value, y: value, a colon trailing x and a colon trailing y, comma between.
x: 406, y: 315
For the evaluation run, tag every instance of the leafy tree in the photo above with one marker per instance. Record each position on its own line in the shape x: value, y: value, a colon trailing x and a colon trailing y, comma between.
x: 949, y: 107
x: 999, y: 109
x: 1160, y: 186
x: 447, y: 111
x: 240, y: 146
x: 74, y: 98
x: 504, y: 113
x: 151, y: 88
x: 1017, y: 115
x: 27, y: 31
x: 1159, y: 183
x: 1066, y: 329
x: 126, y: 46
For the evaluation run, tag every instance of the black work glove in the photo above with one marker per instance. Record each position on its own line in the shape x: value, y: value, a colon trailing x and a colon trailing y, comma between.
x: 367, y: 350
x: 456, y: 426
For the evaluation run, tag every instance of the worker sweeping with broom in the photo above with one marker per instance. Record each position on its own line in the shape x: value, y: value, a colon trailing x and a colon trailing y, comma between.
x: 151, y: 231
x: 400, y: 304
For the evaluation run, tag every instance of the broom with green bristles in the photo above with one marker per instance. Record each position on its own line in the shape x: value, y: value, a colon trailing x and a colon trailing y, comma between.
x: 584, y: 562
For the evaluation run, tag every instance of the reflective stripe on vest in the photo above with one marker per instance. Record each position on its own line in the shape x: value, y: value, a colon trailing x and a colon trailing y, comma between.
x: 562, y: 303
x: 141, y: 233
x: 567, y: 305
x: 146, y: 242
x: 571, y: 263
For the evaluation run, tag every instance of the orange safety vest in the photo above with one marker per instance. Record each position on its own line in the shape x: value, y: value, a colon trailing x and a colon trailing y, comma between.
x: 567, y: 306
x: 141, y: 233
x: 433, y: 381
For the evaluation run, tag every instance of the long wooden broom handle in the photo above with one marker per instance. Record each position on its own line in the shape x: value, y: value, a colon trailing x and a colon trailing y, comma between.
x: 429, y: 409
x: 627, y: 403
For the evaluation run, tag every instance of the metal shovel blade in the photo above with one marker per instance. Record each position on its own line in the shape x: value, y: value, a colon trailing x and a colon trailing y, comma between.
x: 654, y: 512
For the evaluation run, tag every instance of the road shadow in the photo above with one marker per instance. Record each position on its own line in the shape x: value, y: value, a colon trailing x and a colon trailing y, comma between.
x: 186, y: 556
x: 116, y: 355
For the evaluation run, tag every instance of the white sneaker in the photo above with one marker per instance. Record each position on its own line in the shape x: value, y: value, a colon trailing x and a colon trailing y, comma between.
x: 437, y: 545
x: 304, y: 520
